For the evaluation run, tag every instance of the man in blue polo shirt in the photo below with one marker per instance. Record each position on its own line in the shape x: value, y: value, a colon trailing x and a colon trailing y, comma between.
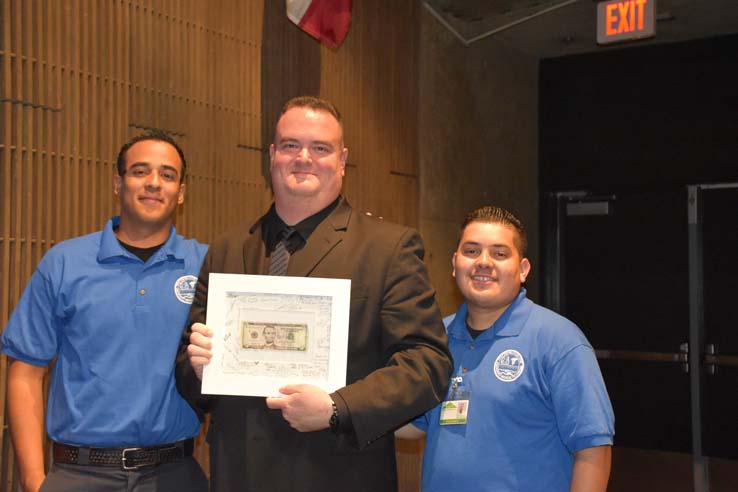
x: 110, y: 308
x: 527, y: 409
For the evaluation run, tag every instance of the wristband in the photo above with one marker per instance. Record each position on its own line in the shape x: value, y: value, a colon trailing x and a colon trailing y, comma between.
x: 333, y: 422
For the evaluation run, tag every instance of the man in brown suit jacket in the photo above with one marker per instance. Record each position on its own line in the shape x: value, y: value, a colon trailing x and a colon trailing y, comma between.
x: 398, y: 362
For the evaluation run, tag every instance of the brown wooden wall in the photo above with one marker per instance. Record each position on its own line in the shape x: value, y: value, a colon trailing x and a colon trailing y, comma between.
x: 80, y: 77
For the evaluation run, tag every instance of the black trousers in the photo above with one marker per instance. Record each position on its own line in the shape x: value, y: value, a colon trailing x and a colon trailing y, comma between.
x: 182, y: 476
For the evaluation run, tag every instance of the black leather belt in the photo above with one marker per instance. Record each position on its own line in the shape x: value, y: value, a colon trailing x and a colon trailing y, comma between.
x: 126, y: 458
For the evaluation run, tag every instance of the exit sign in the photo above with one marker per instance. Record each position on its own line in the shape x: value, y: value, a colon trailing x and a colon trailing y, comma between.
x: 622, y: 20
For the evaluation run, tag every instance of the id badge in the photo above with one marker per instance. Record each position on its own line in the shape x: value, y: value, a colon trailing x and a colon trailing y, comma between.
x: 455, y: 409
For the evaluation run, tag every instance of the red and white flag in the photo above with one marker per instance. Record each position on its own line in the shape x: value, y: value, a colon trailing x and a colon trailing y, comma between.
x: 326, y: 20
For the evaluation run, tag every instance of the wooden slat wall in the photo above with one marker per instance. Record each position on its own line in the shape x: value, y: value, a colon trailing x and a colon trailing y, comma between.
x: 373, y: 80
x: 80, y: 77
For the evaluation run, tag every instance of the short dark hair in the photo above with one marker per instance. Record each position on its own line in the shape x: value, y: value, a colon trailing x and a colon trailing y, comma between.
x: 158, y: 135
x: 312, y: 102
x: 498, y: 215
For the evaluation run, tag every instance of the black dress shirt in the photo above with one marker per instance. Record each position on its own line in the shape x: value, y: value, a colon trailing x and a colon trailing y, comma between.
x: 272, y: 226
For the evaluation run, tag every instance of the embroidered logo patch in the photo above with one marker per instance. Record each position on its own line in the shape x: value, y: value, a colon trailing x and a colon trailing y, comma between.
x: 509, y: 365
x: 184, y: 288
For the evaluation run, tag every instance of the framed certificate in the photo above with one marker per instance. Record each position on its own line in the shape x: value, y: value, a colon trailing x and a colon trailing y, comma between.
x: 270, y: 331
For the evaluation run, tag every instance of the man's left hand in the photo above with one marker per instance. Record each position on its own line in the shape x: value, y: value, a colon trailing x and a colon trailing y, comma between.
x: 307, y: 408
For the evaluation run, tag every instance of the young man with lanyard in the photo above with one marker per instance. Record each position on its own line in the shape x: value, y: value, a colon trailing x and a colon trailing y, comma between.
x: 110, y: 308
x: 527, y: 409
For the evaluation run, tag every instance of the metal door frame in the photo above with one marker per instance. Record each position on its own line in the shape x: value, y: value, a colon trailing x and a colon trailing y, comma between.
x: 697, y: 325
x: 554, y: 297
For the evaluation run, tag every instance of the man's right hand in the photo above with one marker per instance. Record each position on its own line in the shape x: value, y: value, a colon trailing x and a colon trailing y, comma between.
x: 199, y: 349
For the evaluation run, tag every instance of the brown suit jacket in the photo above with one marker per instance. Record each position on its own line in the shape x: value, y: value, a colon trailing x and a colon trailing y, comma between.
x: 398, y: 362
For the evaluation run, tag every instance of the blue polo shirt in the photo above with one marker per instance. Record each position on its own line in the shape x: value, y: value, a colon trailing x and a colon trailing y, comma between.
x: 537, y: 396
x: 113, y: 323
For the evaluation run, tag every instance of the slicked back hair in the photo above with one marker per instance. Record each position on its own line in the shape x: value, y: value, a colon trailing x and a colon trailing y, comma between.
x: 156, y: 135
x: 497, y: 215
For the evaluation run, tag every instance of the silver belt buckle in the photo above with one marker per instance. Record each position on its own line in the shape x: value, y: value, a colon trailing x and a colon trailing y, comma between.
x: 123, y: 459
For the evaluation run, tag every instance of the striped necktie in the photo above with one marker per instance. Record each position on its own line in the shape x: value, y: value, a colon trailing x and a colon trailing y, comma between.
x: 281, y: 255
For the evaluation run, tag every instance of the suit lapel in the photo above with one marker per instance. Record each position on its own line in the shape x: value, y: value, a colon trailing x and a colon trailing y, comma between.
x: 324, y: 238
x: 254, y: 251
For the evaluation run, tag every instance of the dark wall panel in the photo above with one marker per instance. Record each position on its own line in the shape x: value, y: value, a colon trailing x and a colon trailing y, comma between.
x: 657, y: 115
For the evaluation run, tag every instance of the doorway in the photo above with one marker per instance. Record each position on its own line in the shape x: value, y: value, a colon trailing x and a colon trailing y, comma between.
x: 651, y: 277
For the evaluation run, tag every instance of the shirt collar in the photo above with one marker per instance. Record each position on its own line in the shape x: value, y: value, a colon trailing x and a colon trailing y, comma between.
x: 509, y: 324
x: 110, y: 247
x: 273, y: 224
